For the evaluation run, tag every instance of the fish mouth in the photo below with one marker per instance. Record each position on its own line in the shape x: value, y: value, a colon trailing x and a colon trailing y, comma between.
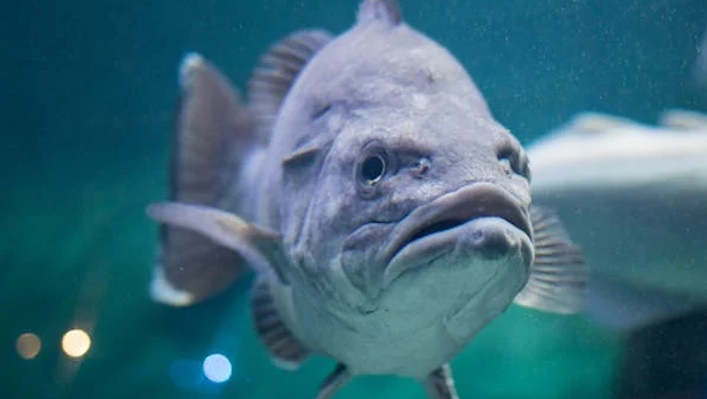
x: 452, y: 210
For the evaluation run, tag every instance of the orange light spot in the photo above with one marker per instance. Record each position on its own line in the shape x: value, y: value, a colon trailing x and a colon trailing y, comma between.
x: 28, y: 346
x: 76, y: 343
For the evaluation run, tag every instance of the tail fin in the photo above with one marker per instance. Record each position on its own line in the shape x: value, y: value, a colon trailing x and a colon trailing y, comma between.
x: 214, y: 132
x: 216, y: 139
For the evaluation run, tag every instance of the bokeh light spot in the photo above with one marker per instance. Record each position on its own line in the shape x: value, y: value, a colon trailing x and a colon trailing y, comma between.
x: 217, y: 368
x: 28, y: 346
x: 76, y: 343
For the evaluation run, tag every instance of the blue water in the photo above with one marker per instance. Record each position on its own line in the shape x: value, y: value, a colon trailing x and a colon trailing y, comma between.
x: 90, y: 89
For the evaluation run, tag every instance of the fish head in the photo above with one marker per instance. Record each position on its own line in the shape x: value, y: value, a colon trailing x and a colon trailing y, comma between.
x: 402, y: 192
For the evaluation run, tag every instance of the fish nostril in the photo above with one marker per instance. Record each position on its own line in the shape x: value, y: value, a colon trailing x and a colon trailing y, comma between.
x: 506, y: 165
x: 421, y: 166
x: 506, y: 155
x: 513, y: 160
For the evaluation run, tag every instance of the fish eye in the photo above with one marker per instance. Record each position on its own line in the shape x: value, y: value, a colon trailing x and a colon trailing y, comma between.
x: 374, y: 164
x: 373, y: 169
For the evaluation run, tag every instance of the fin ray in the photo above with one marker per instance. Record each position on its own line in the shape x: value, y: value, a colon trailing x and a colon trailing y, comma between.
x: 278, y: 69
x: 558, y: 275
x: 286, y: 350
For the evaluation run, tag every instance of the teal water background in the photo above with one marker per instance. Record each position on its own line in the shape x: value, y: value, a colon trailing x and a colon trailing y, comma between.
x: 90, y: 89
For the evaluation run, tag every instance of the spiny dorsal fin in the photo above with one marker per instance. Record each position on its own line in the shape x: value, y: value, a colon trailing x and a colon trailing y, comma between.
x: 387, y: 11
x: 213, y: 133
x: 558, y: 275
x: 286, y: 351
x: 278, y: 69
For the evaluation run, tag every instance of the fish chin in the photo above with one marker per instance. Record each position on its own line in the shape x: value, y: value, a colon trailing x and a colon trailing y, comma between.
x: 478, y: 242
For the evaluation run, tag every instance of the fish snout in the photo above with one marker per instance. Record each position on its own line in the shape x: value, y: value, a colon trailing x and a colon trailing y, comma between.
x: 494, y: 239
x: 476, y: 224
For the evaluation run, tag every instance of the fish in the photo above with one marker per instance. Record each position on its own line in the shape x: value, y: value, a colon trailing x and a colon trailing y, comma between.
x: 632, y: 196
x: 384, y: 211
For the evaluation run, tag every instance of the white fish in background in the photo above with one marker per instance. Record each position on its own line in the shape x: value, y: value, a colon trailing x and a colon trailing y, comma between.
x: 386, y: 213
x: 634, y: 197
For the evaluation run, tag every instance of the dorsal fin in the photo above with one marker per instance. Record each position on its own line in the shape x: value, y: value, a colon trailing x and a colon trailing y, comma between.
x: 593, y: 122
x: 278, y: 69
x: 213, y: 134
x: 387, y: 11
x: 684, y: 120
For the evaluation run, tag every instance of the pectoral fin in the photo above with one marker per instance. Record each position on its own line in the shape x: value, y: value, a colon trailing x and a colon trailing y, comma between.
x: 286, y: 351
x: 440, y: 384
x: 261, y: 249
x: 334, y: 381
x: 558, y: 275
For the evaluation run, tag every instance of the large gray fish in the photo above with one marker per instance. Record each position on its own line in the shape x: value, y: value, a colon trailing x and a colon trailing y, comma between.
x: 386, y: 213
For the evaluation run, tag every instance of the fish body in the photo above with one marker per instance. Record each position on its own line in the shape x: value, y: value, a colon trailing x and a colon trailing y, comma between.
x: 632, y: 196
x: 386, y: 213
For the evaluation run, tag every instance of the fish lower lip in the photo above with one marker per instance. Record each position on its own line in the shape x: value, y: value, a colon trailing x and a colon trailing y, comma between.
x: 490, y: 239
x: 451, y: 210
